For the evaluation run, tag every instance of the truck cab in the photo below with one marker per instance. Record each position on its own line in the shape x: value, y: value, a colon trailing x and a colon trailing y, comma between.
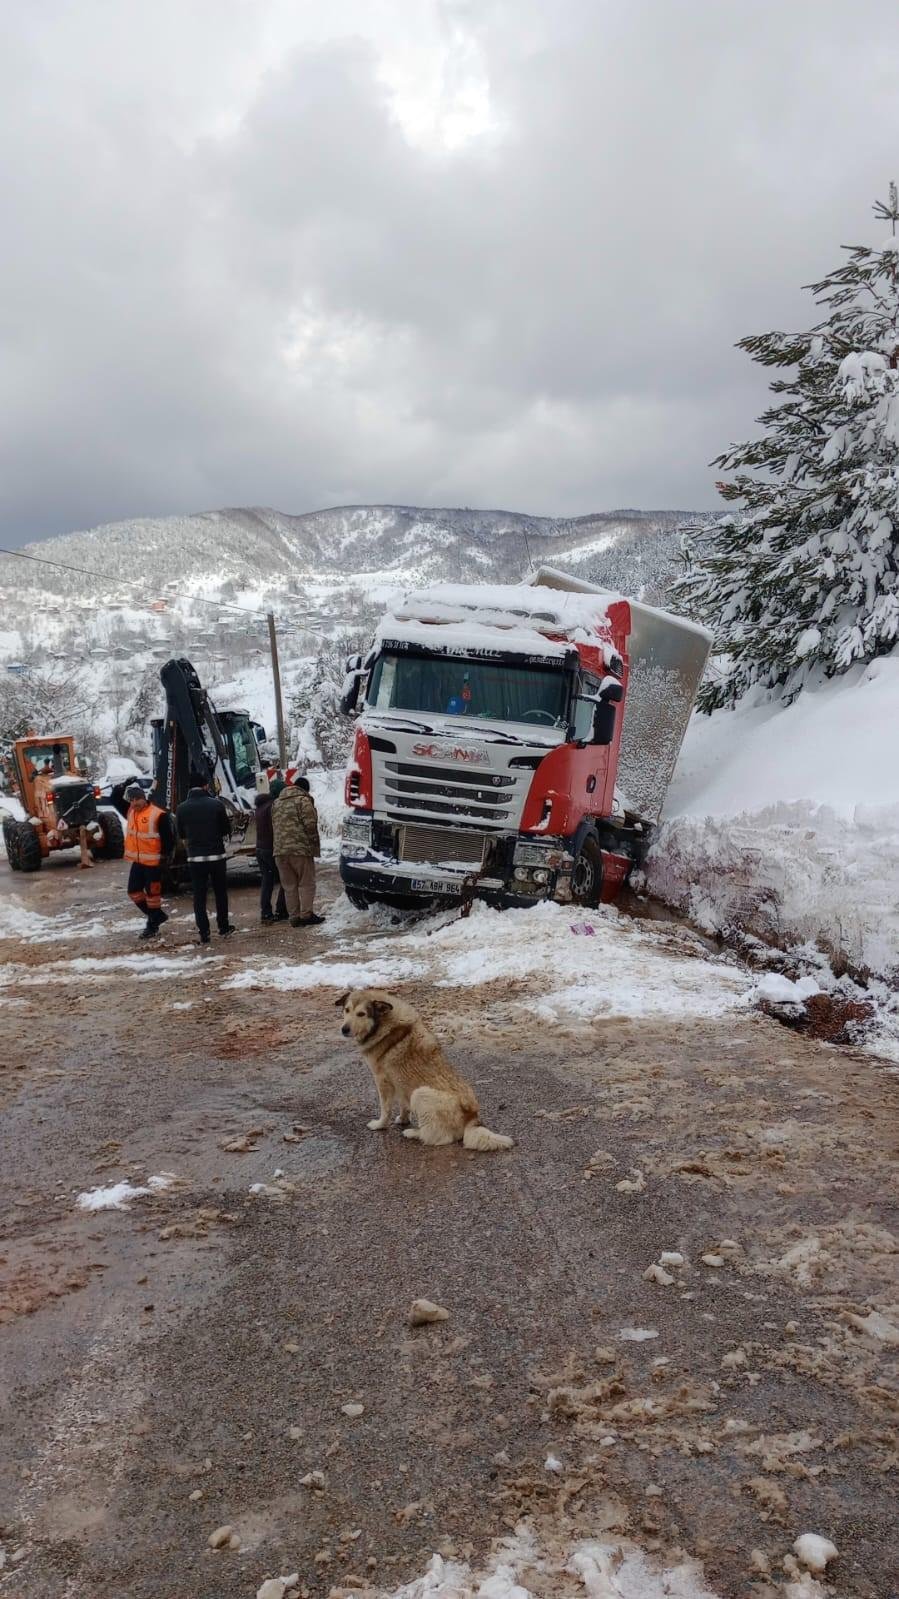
x: 488, y: 746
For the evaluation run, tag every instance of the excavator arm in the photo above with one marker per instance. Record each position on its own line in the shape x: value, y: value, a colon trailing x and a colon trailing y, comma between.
x: 190, y: 738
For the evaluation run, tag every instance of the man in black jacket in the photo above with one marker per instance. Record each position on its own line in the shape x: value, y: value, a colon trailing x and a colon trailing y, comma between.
x: 265, y: 855
x: 204, y: 825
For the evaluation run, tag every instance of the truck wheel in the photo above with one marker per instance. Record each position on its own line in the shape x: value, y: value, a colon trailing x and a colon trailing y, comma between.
x: 586, y: 877
x: 12, y: 843
x: 27, y: 847
x: 113, y: 845
x: 357, y: 899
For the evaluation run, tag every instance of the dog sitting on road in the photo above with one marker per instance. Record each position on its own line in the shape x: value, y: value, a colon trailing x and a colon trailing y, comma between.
x: 411, y: 1072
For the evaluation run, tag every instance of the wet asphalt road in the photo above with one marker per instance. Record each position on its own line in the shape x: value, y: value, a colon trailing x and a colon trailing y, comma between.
x: 204, y: 1341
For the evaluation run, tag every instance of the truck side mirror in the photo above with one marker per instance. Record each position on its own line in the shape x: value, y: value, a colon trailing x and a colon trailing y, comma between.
x: 355, y: 672
x: 604, y: 723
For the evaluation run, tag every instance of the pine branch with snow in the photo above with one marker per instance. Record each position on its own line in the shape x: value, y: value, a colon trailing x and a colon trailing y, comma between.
x: 802, y: 579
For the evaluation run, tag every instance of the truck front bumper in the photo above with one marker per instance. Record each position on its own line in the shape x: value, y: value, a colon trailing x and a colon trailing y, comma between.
x: 516, y: 872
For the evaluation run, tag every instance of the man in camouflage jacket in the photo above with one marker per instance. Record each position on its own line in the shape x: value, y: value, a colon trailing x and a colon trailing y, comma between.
x: 297, y: 847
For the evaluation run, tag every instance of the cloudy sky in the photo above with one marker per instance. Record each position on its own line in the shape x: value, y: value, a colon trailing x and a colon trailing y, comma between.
x: 464, y: 252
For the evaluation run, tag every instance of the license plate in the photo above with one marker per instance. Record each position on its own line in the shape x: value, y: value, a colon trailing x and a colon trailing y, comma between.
x: 435, y: 885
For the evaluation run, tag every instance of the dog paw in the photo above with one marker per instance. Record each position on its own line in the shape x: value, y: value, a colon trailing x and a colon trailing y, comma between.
x: 377, y: 1126
x: 411, y: 1132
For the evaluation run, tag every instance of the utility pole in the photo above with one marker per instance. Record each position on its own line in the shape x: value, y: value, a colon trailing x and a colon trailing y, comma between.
x: 276, y: 675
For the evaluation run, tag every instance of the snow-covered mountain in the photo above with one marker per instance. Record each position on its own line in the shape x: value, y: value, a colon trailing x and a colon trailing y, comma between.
x: 125, y: 597
x: 265, y: 550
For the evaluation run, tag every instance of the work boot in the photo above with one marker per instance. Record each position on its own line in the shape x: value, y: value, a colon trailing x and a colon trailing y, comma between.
x: 225, y: 931
x: 308, y: 921
x: 150, y: 931
x: 281, y: 916
x: 203, y: 938
x: 265, y: 920
x: 297, y: 921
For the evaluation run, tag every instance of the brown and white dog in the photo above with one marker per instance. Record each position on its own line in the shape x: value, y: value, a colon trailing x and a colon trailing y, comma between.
x: 411, y: 1072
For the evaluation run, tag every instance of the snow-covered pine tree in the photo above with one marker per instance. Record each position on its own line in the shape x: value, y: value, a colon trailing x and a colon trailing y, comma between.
x: 803, y: 579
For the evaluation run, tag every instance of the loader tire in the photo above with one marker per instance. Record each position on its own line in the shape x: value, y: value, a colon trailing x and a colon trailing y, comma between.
x: 113, y: 845
x: 586, y: 876
x: 27, y: 846
x: 11, y: 842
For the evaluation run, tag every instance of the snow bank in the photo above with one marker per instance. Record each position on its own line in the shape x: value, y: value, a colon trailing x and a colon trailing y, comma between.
x: 786, y: 821
x: 620, y: 970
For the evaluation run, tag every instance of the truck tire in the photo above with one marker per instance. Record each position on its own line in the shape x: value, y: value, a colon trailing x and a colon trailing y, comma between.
x: 27, y: 847
x: 586, y: 876
x: 358, y: 900
x: 113, y: 845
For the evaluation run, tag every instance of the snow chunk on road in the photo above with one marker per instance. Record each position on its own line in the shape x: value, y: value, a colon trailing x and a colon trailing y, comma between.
x: 592, y: 1569
x: 119, y: 1195
x: 779, y: 990
x: 636, y: 1335
x: 814, y: 1551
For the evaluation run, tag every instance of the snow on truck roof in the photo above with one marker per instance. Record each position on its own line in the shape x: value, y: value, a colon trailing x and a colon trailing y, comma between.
x: 523, y: 614
x: 515, y: 617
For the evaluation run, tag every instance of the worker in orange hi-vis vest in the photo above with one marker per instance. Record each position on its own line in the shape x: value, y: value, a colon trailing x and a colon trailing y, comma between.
x: 149, y: 841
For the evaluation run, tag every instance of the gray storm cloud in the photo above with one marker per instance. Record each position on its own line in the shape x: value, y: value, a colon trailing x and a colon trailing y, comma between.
x: 447, y: 254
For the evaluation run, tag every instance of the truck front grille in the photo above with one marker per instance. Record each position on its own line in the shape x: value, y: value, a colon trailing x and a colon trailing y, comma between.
x: 491, y: 798
x: 436, y: 845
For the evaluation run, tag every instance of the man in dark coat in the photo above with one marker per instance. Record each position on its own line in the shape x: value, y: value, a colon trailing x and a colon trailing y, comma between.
x: 203, y: 823
x: 265, y: 855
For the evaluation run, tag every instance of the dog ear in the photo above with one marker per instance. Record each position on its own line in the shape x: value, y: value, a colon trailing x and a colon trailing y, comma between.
x: 380, y: 1008
x: 339, y: 1003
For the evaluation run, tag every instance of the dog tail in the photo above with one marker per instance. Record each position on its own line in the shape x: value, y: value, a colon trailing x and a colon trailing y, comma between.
x: 477, y: 1137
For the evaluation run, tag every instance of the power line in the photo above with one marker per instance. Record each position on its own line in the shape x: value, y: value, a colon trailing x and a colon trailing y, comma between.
x: 146, y: 605
x: 87, y: 571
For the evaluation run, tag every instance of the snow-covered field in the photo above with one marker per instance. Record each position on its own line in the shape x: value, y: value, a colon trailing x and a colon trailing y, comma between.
x: 785, y: 821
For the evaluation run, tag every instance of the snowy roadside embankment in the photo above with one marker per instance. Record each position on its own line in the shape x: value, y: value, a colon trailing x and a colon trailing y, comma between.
x: 785, y: 821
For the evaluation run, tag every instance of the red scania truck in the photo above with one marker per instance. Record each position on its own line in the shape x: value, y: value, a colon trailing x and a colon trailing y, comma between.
x: 513, y: 743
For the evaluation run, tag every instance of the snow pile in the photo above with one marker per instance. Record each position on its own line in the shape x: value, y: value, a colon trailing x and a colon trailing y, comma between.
x: 327, y: 974
x: 17, y: 921
x: 621, y: 970
x: 94, y: 969
x: 520, y: 1568
x: 119, y: 1195
x: 785, y: 822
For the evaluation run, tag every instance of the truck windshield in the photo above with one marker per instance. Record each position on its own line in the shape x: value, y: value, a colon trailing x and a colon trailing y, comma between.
x: 491, y: 690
